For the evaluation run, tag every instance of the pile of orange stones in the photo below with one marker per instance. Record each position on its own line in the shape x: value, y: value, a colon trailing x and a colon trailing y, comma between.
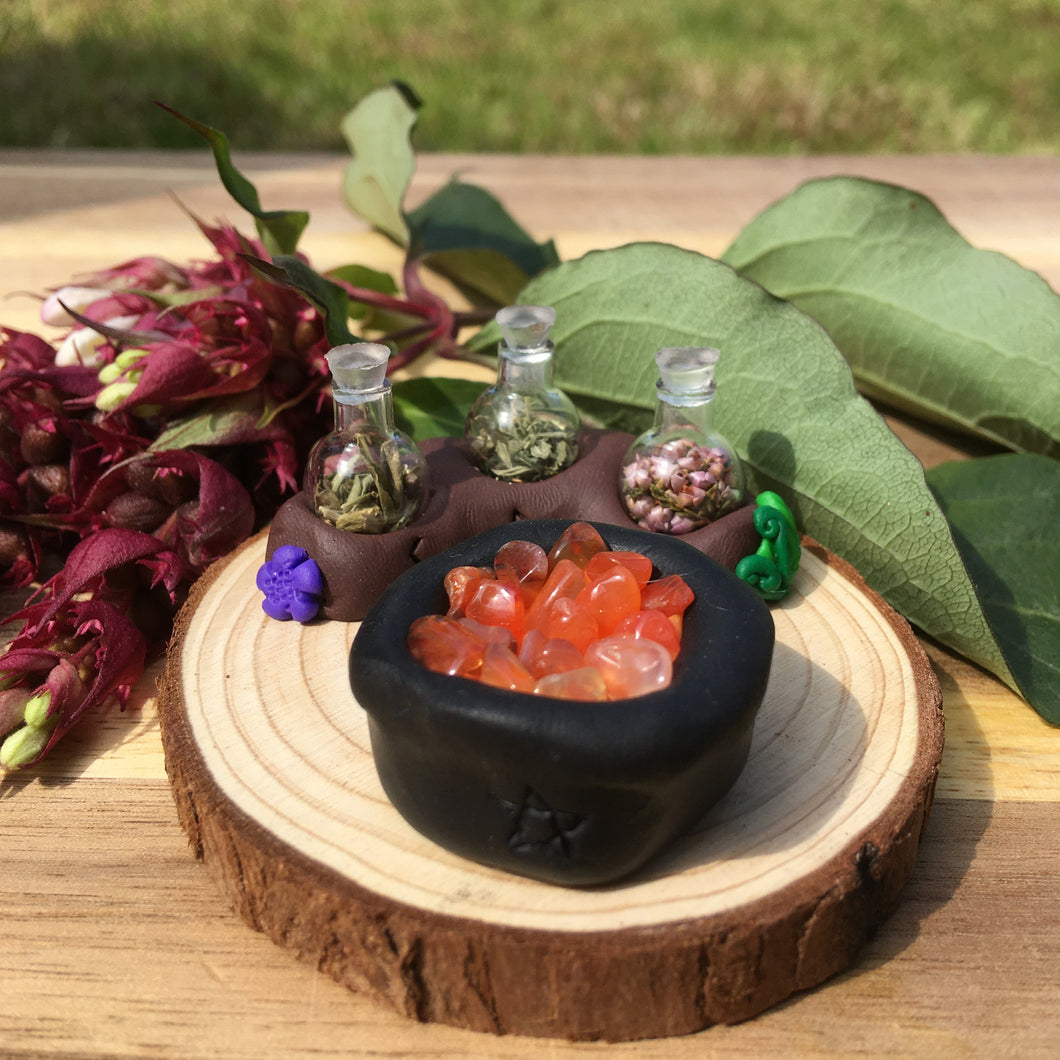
x: 579, y: 622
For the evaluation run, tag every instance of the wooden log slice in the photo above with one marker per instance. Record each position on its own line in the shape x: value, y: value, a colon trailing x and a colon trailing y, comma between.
x: 776, y: 890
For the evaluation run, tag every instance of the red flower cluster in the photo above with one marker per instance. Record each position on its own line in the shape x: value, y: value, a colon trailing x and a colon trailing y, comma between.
x: 126, y: 455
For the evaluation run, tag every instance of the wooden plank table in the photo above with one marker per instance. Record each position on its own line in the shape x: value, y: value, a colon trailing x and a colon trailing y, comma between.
x: 113, y: 941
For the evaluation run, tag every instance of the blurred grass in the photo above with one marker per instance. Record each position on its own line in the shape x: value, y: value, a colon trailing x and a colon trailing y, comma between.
x: 710, y: 76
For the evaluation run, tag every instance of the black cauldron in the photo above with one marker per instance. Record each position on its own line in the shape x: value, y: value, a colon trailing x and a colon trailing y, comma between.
x: 568, y: 792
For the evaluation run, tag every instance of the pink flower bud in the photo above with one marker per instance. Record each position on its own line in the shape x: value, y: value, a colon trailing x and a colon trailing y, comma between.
x: 65, y: 687
x: 12, y: 708
x: 658, y: 519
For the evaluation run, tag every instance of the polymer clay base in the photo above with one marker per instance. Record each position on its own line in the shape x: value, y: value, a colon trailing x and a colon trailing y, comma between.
x: 773, y: 892
x: 463, y: 502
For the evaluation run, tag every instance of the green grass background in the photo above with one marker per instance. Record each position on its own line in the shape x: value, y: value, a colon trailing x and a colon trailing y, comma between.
x: 626, y: 76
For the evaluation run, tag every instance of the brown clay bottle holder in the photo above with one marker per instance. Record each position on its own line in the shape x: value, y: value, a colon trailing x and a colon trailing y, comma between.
x: 463, y: 502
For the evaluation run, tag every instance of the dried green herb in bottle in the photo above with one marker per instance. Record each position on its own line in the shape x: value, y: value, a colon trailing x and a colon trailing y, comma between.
x: 523, y: 429
x: 366, y: 476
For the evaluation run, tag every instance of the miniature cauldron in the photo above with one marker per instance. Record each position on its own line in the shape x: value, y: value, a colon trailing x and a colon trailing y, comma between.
x: 574, y: 793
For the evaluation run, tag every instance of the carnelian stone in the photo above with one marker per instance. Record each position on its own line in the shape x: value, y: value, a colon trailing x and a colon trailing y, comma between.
x: 502, y: 669
x: 460, y: 584
x: 639, y: 566
x: 530, y: 645
x: 579, y: 622
x: 651, y: 625
x: 578, y: 543
x: 630, y: 666
x: 611, y: 598
x: 524, y: 564
x: 488, y: 634
x: 567, y: 619
x: 565, y: 579
x: 497, y: 604
x: 542, y: 656
x: 586, y: 683
x: 670, y: 595
x: 444, y: 646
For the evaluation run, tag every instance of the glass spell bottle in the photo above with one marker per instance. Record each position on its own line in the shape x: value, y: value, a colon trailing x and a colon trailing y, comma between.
x: 681, y: 474
x: 523, y: 428
x: 366, y: 476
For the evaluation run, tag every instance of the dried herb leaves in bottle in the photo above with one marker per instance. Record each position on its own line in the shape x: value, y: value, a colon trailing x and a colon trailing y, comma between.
x: 366, y: 476
x: 523, y: 428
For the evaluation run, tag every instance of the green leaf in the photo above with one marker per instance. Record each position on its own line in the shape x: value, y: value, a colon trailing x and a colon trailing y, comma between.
x: 176, y: 299
x: 227, y: 421
x: 378, y: 132
x: 617, y: 416
x: 786, y: 400
x: 368, y: 279
x: 1005, y: 514
x: 328, y: 297
x: 434, y: 406
x: 463, y: 232
x: 279, y: 230
x: 930, y: 324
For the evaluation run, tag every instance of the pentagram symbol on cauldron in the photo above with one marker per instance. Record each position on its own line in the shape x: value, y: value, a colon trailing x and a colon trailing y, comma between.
x: 540, y: 829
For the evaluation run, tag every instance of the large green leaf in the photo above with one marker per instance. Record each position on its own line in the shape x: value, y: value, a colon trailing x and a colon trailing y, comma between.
x: 928, y: 323
x: 463, y: 232
x: 279, y: 230
x: 1005, y: 514
x: 434, y: 406
x: 378, y: 132
x: 786, y: 400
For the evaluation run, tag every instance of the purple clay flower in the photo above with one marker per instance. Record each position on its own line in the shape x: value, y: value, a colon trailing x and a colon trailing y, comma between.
x: 292, y: 585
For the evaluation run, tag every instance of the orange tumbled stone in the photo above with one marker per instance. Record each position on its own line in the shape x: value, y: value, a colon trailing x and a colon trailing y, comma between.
x: 610, y: 598
x: 579, y: 622
x: 566, y: 619
x: 488, y: 634
x: 565, y: 579
x: 585, y: 684
x: 524, y: 564
x: 638, y: 565
x: 502, y: 669
x: 651, y: 625
x: 460, y: 584
x: 578, y: 543
x: 630, y: 666
x: 445, y: 646
x: 542, y: 655
x: 496, y: 603
x: 670, y: 595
